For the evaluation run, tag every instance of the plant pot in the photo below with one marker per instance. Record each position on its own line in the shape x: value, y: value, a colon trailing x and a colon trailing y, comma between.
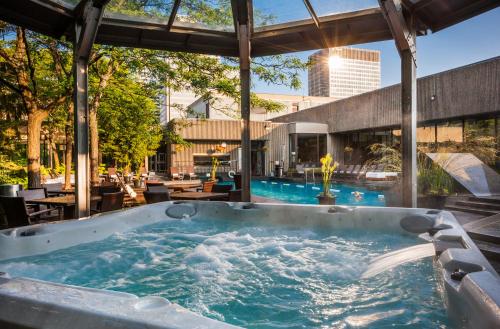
x: 326, y: 200
x: 137, y: 183
x: 431, y: 201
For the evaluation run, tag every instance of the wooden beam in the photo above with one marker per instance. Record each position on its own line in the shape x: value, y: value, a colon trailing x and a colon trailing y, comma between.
x: 402, y: 34
x: 173, y: 14
x: 312, y: 12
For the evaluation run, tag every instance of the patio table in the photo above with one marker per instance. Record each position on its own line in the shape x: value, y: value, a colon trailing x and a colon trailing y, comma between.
x: 198, y: 196
x: 67, y: 202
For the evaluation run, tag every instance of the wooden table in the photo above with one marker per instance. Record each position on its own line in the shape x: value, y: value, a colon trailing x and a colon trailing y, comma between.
x: 198, y: 196
x: 68, y: 191
x: 67, y: 202
x: 183, y: 186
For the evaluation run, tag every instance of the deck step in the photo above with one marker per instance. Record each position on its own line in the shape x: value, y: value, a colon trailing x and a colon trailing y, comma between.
x: 489, y: 250
x: 495, y: 200
x: 486, y: 229
x: 473, y: 210
x: 479, y: 204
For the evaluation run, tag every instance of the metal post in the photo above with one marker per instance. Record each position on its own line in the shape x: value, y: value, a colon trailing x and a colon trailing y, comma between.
x: 409, y: 128
x: 245, y: 111
x: 82, y: 176
x: 89, y: 14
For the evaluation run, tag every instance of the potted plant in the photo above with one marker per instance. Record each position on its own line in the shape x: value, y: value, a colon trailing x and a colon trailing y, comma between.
x: 213, y: 170
x: 434, y: 184
x: 327, y: 167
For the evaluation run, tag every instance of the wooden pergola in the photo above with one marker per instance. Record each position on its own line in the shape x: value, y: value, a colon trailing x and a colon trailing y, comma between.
x: 88, y: 22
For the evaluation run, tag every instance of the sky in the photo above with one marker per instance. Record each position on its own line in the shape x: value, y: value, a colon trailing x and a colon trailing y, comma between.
x: 468, y: 42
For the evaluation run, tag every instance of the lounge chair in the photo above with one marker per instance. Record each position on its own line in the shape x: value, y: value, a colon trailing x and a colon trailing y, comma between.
x: 17, y: 214
x: 155, y: 197
x: 363, y: 171
x: 355, y: 171
x: 338, y: 169
x: 346, y: 171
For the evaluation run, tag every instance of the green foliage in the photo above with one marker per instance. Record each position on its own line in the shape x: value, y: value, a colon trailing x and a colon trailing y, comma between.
x: 433, y: 179
x: 388, y: 156
x: 129, y: 128
x: 13, y: 172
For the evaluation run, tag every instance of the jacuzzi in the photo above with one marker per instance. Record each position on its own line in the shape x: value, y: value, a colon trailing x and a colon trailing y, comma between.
x: 292, y: 252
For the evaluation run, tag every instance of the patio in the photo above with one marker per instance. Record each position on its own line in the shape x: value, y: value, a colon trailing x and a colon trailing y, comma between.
x: 88, y: 22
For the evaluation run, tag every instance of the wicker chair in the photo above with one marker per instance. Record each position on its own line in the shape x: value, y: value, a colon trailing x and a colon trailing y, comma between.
x: 155, y: 197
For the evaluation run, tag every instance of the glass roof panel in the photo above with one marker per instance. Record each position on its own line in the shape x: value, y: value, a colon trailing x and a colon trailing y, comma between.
x: 330, y: 7
x: 142, y: 8
x: 271, y: 12
x: 208, y: 14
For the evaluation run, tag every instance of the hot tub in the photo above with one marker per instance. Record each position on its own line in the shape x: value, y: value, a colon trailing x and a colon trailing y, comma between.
x: 227, y: 265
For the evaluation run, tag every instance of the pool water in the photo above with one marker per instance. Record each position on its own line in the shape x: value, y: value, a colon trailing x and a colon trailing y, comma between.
x: 255, y: 276
x: 306, y: 193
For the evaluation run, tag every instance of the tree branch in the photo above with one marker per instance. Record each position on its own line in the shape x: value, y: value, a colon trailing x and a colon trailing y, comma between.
x: 11, y: 86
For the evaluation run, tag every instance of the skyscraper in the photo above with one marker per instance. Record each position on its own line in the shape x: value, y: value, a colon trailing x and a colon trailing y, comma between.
x: 343, y: 72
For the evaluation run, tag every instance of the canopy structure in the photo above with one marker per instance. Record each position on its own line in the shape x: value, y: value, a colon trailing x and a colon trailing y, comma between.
x: 244, y: 29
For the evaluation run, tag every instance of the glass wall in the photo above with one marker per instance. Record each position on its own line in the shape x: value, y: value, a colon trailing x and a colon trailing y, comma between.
x: 307, y: 148
x: 477, y: 136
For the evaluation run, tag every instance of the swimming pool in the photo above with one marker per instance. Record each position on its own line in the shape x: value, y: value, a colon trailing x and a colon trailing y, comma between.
x: 220, y: 265
x: 306, y: 193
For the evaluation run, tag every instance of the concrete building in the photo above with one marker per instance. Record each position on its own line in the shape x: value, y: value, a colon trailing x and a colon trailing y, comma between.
x: 225, y: 108
x: 343, y: 72
x: 174, y: 104
x: 451, y: 104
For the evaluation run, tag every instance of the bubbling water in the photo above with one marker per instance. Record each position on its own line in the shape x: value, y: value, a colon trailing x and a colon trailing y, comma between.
x: 255, y: 276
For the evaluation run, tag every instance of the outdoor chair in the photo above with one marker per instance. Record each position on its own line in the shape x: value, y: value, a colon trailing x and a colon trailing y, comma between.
x: 33, y: 194
x: 346, y: 171
x: 108, y: 188
x: 221, y: 188
x: 355, y: 171
x: 110, y: 202
x: 363, y: 171
x: 174, y: 173
x: 53, y: 188
x: 112, y: 174
x: 237, y: 181
x: 16, y: 212
x: 190, y: 172
x: 155, y: 197
x: 338, y: 169
x: 150, y: 183
x: 235, y: 196
x: 207, y: 186
x: 157, y: 188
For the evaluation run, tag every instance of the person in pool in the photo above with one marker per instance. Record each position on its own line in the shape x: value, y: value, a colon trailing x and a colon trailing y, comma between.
x: 358, y: 195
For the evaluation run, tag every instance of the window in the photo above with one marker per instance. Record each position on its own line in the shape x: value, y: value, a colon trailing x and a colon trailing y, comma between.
x: 206, y: 160
x: 295, y: 107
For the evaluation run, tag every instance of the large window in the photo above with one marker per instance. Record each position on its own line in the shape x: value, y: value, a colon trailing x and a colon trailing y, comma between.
x: 206, y: 160
x: 307, y: 148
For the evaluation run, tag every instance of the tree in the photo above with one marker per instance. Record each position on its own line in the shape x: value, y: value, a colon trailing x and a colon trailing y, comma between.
x: 129, y: 127
x: 38, y: 71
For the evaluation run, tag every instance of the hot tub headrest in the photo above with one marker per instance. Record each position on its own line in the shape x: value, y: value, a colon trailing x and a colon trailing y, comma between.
x: 417, y: 223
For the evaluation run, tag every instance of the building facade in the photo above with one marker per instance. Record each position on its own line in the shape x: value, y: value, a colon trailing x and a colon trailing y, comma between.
x: 458, y: 111
x: 225, y: 108
x: 343, y: 72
